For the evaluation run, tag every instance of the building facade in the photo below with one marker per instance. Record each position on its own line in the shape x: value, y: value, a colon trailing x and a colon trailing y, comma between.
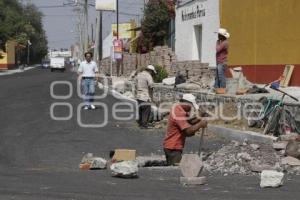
x: 264, y: 35
x: 8, y: 58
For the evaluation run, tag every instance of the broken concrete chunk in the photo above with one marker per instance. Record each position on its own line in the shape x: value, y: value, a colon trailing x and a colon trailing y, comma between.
x: 87, y: 158
x: 290, y: 161
x: 244, y: 156
x: 288, y: 137
x: 98, y: 163
x: 271, y: 178
x: 280, y: 145
x: 190, y: 165
x: 293, y: 149
x: 257, y: 167
x: 125, y: 169
x: 255, y: 147
x: 154, y: 160
x: 193, y: 180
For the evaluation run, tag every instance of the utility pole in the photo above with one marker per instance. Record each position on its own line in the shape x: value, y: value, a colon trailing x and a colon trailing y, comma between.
x: 100, y: 37
x: 86, y: 26
x: 117, y: 19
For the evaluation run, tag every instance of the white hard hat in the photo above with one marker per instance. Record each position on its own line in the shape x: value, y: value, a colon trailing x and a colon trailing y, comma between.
x: 151, y: 67
x: 192, y: 99
x: 224, y: 32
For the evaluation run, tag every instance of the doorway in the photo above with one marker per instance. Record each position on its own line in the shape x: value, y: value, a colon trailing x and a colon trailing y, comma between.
x: 198, y: 36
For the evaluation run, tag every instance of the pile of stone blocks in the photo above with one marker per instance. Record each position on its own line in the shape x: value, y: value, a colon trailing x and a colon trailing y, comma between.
x: 161, y: 55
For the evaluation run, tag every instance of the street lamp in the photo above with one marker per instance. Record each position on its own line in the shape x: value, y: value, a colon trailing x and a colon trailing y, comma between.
x: 28, y: 51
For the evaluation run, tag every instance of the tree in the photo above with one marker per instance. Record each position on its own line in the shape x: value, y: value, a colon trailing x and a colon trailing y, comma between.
x: 155, y: 25
x: 22, y: 24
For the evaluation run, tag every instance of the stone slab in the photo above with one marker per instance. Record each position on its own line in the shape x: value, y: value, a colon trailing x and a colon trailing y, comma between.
x: 190, y: 165
x: 193, y: 180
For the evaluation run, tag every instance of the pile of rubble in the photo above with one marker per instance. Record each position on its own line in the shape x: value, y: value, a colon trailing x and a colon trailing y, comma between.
x: 250, y: 159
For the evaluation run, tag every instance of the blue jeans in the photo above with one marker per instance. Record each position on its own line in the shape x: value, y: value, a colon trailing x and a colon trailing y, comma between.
x: 88, y: 89
x: 220, y: 81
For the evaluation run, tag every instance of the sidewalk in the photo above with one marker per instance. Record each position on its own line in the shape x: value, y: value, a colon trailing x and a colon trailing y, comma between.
x: 14, y: 71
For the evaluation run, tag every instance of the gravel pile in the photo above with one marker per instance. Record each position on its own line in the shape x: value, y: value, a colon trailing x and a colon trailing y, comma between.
x: 245, y: 159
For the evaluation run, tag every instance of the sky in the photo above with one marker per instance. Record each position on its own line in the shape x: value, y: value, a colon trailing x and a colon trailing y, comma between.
x: 60, y: 23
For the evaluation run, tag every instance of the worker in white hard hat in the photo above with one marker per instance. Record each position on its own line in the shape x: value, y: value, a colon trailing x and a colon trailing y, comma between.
x: 180, y: 126
x: 222, y: 48
x: 144, y: 82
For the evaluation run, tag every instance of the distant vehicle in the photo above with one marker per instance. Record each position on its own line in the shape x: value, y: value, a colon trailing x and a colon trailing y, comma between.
x: 57, y: 63
x: 45, y: 64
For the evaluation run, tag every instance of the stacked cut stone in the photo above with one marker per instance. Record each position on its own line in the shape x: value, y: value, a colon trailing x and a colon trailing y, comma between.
x: 105, y: 67
x: 129, y: 63
x: 161, y: 55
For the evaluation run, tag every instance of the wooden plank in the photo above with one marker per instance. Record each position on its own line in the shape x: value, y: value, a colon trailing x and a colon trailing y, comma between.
x: 288, y: 71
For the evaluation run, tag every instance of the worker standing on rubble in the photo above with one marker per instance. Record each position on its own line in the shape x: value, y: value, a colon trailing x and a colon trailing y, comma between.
x: 144, y: 81
x: 221, y: 57
x: 181, y: 126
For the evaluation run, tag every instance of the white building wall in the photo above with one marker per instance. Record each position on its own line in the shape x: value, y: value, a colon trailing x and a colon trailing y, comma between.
x: 185, y: 38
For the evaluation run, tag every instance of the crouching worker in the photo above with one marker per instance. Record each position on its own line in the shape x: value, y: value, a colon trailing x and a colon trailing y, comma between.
x: 181, y: 126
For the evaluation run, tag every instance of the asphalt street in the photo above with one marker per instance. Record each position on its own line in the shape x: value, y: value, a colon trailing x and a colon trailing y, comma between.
x: 39, y: 156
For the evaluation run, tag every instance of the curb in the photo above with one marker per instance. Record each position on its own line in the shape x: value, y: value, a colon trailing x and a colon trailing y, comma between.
x: 15, y: 71
x: 116, y: 94
x: 241, y: 136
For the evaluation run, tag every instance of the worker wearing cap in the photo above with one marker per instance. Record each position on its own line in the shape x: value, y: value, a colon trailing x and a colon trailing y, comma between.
x: 221, y: 57
x: 144, y: 83
x: 181, y: 126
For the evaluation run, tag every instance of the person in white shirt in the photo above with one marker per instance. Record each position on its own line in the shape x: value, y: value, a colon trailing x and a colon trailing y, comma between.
x: 144, y: 82
x: 88, y: 72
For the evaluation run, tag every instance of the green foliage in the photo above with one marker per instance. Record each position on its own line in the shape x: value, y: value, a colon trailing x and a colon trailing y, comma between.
x: 22, y: 23
x: 155, y: 25
x: 161, y: 74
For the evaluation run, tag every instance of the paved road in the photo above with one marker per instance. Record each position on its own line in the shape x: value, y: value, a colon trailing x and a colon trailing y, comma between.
x: 39, y: 156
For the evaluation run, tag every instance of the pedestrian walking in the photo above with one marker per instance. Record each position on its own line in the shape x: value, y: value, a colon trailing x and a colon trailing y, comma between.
x: 88, y: 74
x: 222, y: 48
x: 180, y: 126
x: 144, y: 81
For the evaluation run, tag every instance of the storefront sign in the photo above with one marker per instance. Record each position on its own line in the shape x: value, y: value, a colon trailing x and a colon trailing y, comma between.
x: 195, y: 13
x: 108, y: 5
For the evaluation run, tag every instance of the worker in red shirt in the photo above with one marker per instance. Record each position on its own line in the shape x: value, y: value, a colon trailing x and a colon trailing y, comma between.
x: 181, y: 126
x: 221, y: 57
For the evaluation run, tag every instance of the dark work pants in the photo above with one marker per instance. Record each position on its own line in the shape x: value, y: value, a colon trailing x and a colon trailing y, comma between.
x: 173, y: 157
x: 144, y: 113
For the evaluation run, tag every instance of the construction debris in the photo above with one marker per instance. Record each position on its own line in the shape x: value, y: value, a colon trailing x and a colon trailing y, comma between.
x: 271, y: 178
x: 290, y: 161
x: 90, y: 162
x: 98, y: 163
x: 125, y: 169
x: 151, y: 161
x: 237, y: 159
x: 280, y: 145
x: 293, y: 149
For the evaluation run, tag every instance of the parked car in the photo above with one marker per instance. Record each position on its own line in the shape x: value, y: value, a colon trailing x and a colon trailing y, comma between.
x: 45, y: 64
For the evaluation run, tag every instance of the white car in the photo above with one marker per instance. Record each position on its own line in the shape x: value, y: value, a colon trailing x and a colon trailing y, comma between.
x: 57, y: 63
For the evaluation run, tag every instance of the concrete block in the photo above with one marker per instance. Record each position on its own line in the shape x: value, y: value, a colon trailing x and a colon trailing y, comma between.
x: 271, y: 178
x: 193, y: 180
